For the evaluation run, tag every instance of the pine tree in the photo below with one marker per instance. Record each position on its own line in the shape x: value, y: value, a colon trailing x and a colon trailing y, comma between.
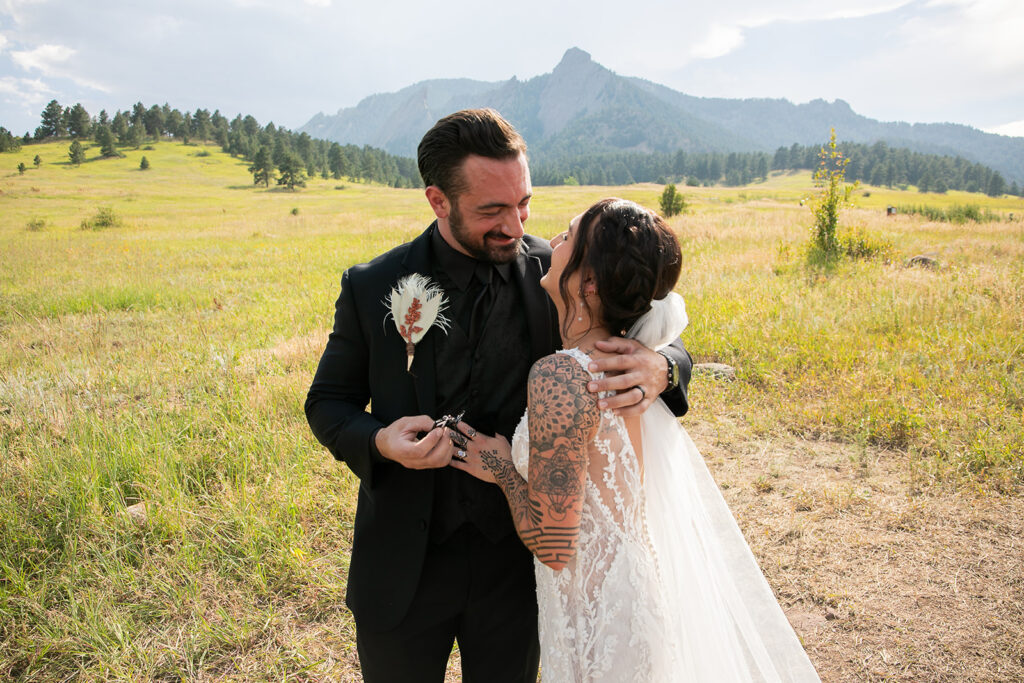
x: 21, y: 168
x: 105, y: 138
x: 144, y: 164
x: 262, y: 168
x: 292, y: 171
x: 52, y: 124
x: 76, y: 153
x: 78, y: 121
x: 38, y: 161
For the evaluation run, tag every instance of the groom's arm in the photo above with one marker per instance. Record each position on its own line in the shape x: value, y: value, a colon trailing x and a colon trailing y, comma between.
x: 337, y: 398
x: 634, y: 365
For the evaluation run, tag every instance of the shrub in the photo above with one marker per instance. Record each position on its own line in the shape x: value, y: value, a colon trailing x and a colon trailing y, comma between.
x: 671, y: 202
x: 858, y: 243
x: 104, y: 218
x: 144, y: 164
x: 35, y: 224
x: 295, y: 211
x: 833, y: 194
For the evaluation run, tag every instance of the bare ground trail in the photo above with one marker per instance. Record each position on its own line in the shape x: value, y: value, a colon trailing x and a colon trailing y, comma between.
x: 881, y: 580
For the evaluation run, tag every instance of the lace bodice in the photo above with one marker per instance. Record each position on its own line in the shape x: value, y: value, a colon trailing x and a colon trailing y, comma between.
x: 600, y: 617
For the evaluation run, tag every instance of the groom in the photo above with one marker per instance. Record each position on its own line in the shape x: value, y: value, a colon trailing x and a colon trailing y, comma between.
x: 435, y: 557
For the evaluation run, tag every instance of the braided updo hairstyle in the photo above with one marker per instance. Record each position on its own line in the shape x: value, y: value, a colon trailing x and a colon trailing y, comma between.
x: 632, y: 255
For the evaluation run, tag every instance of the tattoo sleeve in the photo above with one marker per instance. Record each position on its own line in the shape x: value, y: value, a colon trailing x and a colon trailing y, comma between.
x: 563, y: 417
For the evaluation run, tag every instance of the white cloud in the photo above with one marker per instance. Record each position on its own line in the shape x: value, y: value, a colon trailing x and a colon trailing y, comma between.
x: 1013, y: 129
x: 721, y: 40
x: 24, y: 89
x: 45, y: 58
x: 3, y: 42
x: 50, y: 61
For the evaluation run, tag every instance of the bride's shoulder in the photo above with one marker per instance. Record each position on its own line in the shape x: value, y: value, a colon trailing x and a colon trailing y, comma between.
x: 561, y: 372
x: 558, y: 399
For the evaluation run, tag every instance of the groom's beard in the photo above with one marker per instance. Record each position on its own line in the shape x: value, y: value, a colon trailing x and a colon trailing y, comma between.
x: 479, y: 246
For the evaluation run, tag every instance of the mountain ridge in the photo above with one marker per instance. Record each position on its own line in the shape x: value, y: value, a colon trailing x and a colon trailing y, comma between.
x: 582, y: 107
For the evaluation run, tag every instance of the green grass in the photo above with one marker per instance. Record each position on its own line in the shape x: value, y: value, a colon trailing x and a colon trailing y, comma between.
x: 163, y: 360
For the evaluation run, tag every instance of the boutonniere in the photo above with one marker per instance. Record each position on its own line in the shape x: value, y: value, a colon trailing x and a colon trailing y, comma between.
x: 416, y: 304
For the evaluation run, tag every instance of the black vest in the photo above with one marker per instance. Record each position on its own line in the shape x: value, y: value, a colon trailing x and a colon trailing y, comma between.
x: 485, y: 377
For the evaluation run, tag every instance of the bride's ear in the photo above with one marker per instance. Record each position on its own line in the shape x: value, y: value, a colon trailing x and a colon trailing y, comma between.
x: 589, y: 286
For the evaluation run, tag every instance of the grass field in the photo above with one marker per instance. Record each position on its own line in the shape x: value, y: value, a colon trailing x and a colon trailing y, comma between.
x: 165, y: 513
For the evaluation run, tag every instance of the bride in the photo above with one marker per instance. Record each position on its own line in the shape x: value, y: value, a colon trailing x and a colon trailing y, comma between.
x: 642, y: 573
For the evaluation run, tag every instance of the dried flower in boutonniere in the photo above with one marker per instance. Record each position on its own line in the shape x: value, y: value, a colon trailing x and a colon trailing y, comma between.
x: 416, y: 304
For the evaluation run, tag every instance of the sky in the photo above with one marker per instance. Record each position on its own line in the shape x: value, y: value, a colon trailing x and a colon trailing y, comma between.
x: 959, y: 61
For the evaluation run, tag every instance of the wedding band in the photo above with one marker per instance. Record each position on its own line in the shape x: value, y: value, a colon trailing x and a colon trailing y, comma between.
x: 643, y: 394
x: 460, y: 454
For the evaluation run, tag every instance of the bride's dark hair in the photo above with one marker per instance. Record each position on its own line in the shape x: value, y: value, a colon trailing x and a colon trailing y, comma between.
x: 632, y: 255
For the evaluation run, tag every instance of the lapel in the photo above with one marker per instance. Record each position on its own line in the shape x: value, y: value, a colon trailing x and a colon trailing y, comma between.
x: 527, y: 273
x: 417, y: 260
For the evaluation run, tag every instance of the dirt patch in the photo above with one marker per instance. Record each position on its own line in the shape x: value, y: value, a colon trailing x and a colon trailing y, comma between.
x: 880, y: 580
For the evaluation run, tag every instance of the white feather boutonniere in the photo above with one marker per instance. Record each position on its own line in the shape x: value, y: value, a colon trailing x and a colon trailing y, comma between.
x: 416, y: 305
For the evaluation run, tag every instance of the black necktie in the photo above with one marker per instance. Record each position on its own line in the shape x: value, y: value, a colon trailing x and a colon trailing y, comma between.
x: 482, y: 293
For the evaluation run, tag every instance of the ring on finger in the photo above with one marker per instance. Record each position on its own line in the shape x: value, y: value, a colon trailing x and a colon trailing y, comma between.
x: 643, y: 394
x: 471, y: 432
x: 460, y: 454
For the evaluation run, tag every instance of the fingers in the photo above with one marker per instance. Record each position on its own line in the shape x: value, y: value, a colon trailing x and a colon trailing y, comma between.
x: 627, y: 403
x: 466, y: 429
x: 416, y: 423
x: 618, y: 345
x: 438, y: 455
x: 619, y: 383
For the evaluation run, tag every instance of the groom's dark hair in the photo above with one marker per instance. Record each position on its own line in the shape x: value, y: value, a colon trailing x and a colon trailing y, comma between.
x: 482, y: 132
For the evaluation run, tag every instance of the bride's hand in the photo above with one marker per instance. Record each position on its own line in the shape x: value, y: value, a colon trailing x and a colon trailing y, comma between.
x: 495, y: 448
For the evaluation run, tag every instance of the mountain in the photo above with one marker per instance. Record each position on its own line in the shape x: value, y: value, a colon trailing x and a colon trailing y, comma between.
x: 584, y: 108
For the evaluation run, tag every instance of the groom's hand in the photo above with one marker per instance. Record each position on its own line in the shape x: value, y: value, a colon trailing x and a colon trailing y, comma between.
x: 399, y: 441
x: 633, y: 365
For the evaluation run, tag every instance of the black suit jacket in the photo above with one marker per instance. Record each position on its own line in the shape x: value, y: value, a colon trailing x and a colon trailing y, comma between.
x: 365, y: 362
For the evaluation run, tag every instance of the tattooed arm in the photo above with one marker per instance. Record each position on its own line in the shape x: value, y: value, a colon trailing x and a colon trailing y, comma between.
x: 563, y: 417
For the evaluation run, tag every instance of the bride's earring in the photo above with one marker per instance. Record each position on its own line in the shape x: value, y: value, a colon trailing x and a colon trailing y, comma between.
x: 580, y: 306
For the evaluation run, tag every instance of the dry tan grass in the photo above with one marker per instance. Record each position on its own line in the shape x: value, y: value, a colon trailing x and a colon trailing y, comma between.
x: 880, y: 581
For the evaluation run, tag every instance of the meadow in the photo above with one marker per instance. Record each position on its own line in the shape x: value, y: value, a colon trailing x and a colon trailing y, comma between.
x: 165, y: 513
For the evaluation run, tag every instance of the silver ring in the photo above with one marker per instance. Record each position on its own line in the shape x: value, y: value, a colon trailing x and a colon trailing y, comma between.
x: 471, y: 432
x: 460, y: 454
x: 643, y: 394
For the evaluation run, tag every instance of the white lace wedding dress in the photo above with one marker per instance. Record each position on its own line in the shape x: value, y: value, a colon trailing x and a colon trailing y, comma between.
x: 662, y: 587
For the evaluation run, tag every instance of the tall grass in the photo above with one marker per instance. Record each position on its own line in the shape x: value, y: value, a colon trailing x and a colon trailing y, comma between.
x: 165, y: 513
x: 957, y: 213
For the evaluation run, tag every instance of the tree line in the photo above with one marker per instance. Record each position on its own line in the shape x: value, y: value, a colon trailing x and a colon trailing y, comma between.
x: 286, y: 157
x: 272, y: 148
x: 876, y: 164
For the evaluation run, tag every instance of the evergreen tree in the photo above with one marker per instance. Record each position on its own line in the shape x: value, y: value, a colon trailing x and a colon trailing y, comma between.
x: 144, y: 164
x: 79, y: 122
x: 262, y: 168
x: 996, y: 185
x: 38, y: 161
x: 21, y: 168
x: 119, y: 124
x: 76, y: 153
x: 105, y: 139
x: 292, y: 171
x: 52, y: 123
x: 154, y: 122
